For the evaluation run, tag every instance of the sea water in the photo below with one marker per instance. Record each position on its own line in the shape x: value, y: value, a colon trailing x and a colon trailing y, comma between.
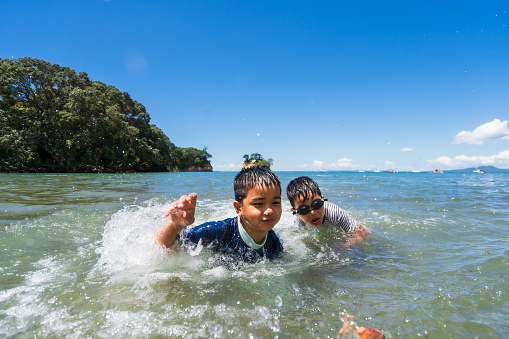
x: 77, y: 259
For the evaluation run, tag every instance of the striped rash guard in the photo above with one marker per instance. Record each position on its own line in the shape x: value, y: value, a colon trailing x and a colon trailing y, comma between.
x: 335, y: 216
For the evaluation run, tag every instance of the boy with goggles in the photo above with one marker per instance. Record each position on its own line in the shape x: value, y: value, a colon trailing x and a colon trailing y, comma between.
x: 311, y: 209
x: 249, y: 235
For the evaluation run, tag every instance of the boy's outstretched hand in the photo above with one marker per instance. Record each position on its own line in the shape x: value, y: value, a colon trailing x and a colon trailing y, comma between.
x: 181, y: 213
x: 361, y: 231
x: 360, y: 234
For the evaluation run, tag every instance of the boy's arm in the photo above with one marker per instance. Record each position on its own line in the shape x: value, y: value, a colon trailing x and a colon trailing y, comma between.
x: 181, y: 213
x: 360, y: 234
x: 339, y: 217
x: 361, y: 231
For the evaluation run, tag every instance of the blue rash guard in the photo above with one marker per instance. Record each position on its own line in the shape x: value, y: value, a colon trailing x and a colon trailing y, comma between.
x: 224, y: 237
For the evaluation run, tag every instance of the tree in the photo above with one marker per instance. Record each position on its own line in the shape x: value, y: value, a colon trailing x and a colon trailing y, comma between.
x: 193, y: 158
x: 256, y: 159
x: 52, y: 117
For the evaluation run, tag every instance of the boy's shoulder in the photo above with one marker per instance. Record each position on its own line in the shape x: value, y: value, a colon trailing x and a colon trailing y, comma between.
x: 330, y: 206
x: 225, y: 222
x: 211, y: 230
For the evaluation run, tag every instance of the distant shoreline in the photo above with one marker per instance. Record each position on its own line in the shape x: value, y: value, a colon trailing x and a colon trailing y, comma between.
x: 94, y: 169
x: 486, y: 169
x: 99, y: 169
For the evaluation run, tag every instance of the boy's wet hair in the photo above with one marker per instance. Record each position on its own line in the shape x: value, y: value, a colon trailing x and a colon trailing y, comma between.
x: 303, y: 188
x: 253, y: 176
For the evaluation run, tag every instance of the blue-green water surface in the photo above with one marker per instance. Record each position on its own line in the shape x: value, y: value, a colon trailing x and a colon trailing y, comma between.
x: 77, y: 259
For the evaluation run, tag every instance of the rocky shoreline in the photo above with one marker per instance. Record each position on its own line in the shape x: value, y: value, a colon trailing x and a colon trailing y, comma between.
x: 92, y: 169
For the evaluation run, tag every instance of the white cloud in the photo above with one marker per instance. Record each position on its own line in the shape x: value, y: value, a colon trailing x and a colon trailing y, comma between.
x: 226, y: 167
x: 501, y: 159
x: 341, y: 164
x: 495, y: 129
x: 136, y: 63
x: 407, y: 149
x: 318, y: 163
x: 390, y: 165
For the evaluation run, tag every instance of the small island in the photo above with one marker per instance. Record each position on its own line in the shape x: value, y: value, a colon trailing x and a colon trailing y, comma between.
x: 53, y: 119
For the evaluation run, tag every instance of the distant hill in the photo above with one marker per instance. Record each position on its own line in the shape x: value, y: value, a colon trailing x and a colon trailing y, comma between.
x: 487, y: 169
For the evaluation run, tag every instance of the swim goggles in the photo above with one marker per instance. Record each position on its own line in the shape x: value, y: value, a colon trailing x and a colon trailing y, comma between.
x: 315, y: 205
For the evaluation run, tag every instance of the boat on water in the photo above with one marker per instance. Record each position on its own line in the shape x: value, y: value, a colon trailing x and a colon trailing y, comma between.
x: 390, y: 171
x: 437, y: 170
x: 478, y: 171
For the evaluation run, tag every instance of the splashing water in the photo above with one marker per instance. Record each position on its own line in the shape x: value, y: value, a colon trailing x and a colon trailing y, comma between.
x: 82, y: 263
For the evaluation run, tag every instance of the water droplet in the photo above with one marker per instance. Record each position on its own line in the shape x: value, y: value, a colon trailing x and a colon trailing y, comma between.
x: 264, y: 312
x: 279, y: 302
x: 216, y: 331
x: 275, y: 326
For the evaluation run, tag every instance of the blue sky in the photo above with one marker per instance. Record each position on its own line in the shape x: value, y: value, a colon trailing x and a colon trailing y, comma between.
x: 335, y: 85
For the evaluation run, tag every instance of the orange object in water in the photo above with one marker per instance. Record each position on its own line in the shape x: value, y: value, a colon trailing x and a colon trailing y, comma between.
x: 351, y: 330
x: 369, y: 333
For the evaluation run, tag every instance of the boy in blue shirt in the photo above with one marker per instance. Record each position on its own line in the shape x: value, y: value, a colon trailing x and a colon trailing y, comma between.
x: 249, y: 235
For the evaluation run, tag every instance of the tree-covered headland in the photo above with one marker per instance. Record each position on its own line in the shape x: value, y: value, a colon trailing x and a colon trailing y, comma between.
x: 53, y: 119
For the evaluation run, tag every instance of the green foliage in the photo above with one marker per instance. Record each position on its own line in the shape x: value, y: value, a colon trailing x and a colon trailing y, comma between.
x: 52, y: 117
x: 257, y: 159
x: 192, y: 158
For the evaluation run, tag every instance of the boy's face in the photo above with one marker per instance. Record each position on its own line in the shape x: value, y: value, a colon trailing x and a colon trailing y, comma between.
x: 315, y: 217
x: 261, y: 208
